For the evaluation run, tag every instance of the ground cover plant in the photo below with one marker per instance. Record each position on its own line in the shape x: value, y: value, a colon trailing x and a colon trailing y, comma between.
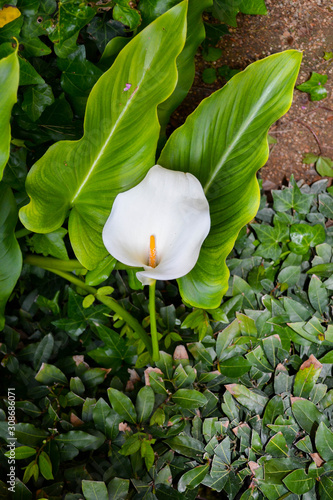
x: 231, y: 396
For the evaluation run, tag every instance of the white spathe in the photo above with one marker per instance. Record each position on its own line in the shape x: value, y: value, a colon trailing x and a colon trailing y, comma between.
x: 172, y: 207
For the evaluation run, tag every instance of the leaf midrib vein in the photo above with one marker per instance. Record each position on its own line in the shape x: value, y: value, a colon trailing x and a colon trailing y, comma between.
x: 101, y: 152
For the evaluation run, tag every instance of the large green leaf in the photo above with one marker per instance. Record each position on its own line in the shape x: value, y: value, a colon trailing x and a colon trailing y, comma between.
x: 223, y: 143
x: 10, y: 253
x: 119, y: 142
x: 185, y: 61
x: 9, y: 79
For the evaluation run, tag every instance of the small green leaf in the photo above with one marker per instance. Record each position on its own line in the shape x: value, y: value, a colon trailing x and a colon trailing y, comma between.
x: 253, y: 401
x: 306, y: 377
x: 315, y: 86
x: 50, y: 244
x: 299, y: 482
x: 94, y: 490
x: 289, y: 275
x: 45, y: 465
x: 32, y: 470
x: 127, y: 16
x: 122, y: 405
x: 186, y: 445
x: 211, y: 54
x: 81, y: 440
x: 106, y: 420
x: 29, y: 435
x: 277, y: 446
x: 318, y: 295
x: 50, y: 374
x: 145, y: 401
x: 22, y: 452
x: 326, y: 205
x: 189, y: 399
x: 309, y: 158
x: 328, y: 55
x: 235, y: 367
x: 36, y: 99
x: 118, y: 488
x: 307, y: 415
x: 192, y: 478
x: 28, y: 74
x: 303, y: 236
x: 324, y: 166
x: 104, y: 33
x: 277, y: 468
x: 101, y: 272
x: 209, y: 75
x: 324, y: 442
x: 257, y: 358
x: 132, y: 444
x: 88, y: 301
x: 43, y: 351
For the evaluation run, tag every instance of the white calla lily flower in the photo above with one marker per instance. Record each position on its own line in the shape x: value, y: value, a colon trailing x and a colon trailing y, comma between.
x: 159, y: 225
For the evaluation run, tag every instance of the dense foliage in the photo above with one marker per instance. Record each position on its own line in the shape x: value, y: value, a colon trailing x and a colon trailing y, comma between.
x: 239, y: 405
x: 246, y: 407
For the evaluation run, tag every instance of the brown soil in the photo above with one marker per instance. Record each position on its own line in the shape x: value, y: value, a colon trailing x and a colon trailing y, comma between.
x: 308, y: 126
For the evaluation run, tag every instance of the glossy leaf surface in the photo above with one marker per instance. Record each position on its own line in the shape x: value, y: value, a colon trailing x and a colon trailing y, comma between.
x: 223, y: 143
x: 9, y: 79
x: 85, y: 176
x: 10, y: 253
x: 185, y: 61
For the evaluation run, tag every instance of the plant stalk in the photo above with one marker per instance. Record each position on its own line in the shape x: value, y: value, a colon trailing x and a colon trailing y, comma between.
x: 153, y: 329
x: 46, y: 263
x: 50, y: 263
x: 22, y: 232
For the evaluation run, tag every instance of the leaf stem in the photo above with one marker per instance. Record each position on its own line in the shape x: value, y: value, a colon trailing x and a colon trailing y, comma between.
x: 45, y: 263
x: 22, y: 232
x: 50, y: 263
x: 153, y: 329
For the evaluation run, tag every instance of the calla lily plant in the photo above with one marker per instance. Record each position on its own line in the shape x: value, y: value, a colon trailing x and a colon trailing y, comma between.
x: 159, y: 225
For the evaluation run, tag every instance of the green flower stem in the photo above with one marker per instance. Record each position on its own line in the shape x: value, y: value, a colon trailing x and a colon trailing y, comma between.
x: 22, y: 232
x: 46, y: 263
x: 50, y: 263
x: 153, y: 329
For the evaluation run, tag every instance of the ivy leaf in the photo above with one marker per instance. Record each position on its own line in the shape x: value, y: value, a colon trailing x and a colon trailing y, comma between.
x: 36, y: 99
x: 328, y: 55
x: 50, y: 244
x: 127, y: 16
x: 324, y: 166
x: 314, y: 87
x: 304, y: 236
x: 309, y: 158
x: 78, y: 75
x: 73, y: 16
x: 227, y: 11
x: 102, y: 32
x: 211, y: 54
x: 209, y: 75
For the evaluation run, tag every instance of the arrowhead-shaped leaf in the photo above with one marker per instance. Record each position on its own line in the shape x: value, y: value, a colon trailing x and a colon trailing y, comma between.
x: 119, y: 143
x: 223, y: 143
